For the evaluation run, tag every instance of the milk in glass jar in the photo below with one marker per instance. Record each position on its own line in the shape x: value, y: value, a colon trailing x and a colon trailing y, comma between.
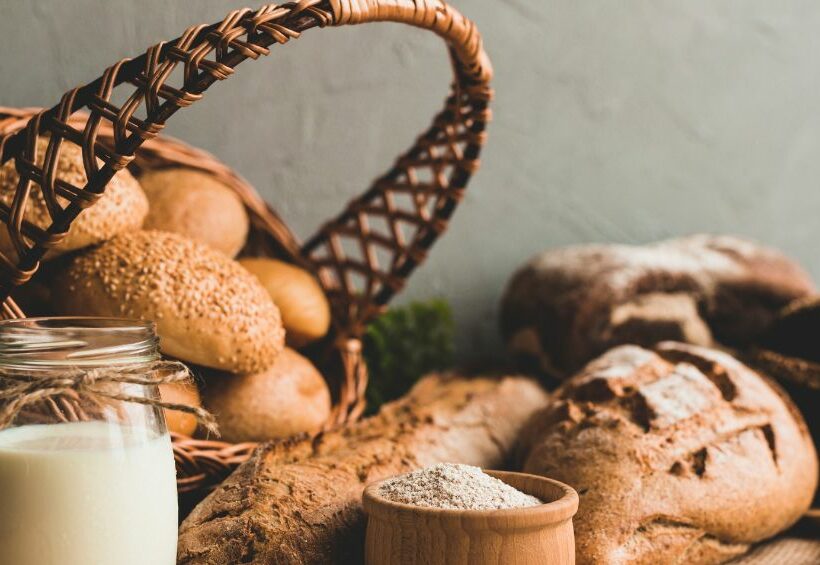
x: 87, y: 471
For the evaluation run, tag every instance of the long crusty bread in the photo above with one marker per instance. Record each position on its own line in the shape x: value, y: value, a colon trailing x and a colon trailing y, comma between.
x: 679, y: 455
x: 299, y: 502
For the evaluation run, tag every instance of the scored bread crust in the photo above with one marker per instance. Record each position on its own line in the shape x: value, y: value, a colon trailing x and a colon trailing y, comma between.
x: 300, y: 502
x: 208, y: 309
x: 566, y: 306
x: 122, y: 207
x: 679, y: 455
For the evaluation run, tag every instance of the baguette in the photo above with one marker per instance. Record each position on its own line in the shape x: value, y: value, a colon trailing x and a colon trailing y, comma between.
x: 299, y: 501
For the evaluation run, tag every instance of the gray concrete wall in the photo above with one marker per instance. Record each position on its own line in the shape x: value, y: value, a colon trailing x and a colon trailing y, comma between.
x: 614, y: 121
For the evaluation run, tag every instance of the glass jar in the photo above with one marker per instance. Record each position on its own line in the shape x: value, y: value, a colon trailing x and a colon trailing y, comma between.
x: 85, y: 479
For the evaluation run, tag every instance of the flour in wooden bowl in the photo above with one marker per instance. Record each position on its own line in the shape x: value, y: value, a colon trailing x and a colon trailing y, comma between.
x: 455, y: 487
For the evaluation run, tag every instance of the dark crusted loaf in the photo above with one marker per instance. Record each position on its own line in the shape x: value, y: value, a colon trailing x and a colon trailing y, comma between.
x: 567, y: 306
x: 683, y: 455
x: 300, y: 502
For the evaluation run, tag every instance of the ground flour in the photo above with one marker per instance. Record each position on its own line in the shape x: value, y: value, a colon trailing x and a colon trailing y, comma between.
x: 457, y: 487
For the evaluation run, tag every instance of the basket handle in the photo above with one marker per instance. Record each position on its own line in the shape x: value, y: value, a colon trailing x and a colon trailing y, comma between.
x: 459, y: 32
x: 360, y: 268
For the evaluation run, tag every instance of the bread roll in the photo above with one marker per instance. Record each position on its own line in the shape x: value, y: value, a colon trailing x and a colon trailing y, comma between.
x: 121, y: 208
x: 300, y: 501
x: 569, y: 305
x: 208, y: 309
x: 302, y: 302
x: 289, y: 398
x: 196, y: 205
x: 683, y: 455
x: 180, y: 393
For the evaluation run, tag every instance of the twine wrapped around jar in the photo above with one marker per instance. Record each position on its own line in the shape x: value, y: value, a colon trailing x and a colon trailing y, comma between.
x: 19, y: 391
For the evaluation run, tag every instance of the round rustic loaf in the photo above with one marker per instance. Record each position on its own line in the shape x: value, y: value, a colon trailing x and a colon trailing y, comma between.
x: 121, y: 208
x: 180, y: 393
x: 208, y: 309
x: 679, y: 455
x: 568, y: 305
x: 289, y: 398
x: 196, y: 205
x: 302, y: 302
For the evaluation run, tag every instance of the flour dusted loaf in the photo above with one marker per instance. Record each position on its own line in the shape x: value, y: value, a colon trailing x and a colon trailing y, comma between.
x: 299, y: 502
x: 569, y: 305
x: 208, y: 309
x: 196, y: 205
x: 121, y: 208
x: 681, y: 455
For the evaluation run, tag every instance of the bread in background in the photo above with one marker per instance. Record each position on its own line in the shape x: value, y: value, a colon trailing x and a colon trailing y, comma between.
x: 180, y: 393
x: 569, y: 305
x: 122, y: 207
x: 208, y: 309
x: 300, y: 298
x: 289, y: 398
x: 196, y: 205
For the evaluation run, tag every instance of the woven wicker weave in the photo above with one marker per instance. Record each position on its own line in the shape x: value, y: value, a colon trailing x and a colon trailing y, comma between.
x: 433, y: 173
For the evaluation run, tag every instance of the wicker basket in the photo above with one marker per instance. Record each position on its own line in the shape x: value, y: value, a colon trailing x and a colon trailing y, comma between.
x: 433, y: 173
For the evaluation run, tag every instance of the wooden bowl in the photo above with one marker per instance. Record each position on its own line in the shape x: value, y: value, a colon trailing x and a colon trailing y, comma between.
x: 403, y: 534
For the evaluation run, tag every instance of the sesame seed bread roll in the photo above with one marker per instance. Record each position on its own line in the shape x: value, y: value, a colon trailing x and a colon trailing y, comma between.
x: 208, y: 309
x: 121, y: 208
x: 196, y: 205
x: 289, y: 398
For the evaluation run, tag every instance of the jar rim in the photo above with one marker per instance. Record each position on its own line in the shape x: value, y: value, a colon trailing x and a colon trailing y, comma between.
x: 93, y: 323
x: 76, y: 341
